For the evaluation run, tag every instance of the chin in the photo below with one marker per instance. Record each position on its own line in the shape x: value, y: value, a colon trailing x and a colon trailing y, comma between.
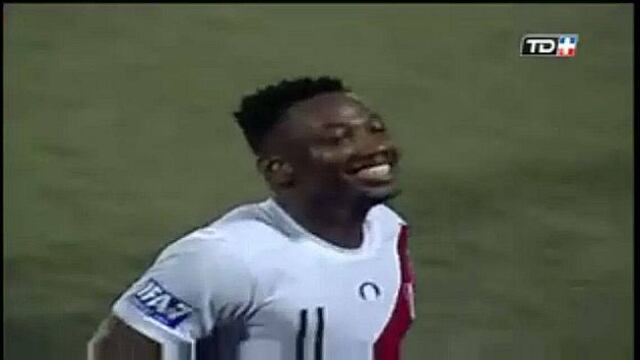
x: 375, y: 196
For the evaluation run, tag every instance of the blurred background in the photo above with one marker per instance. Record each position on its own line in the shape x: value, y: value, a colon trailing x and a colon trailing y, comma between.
x: 517, y: 174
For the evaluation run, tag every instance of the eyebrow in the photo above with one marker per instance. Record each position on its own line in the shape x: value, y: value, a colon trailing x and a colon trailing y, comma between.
x: 334, y: 125
x: 330, y: 125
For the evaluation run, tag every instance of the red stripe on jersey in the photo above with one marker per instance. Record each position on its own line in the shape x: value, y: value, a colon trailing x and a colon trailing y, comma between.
x: 387, y: 346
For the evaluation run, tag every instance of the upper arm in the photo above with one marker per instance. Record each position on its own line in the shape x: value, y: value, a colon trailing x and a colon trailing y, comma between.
x: 190, y: 288
x: 116, y: 340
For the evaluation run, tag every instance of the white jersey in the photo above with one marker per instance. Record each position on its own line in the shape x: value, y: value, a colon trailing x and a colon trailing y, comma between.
x: 256, y: 285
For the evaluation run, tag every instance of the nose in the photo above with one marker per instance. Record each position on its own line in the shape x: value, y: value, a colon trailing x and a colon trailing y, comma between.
x: 370, y: 143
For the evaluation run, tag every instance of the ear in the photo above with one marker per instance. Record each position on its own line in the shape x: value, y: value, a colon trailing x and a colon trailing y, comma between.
x: 276, y: 171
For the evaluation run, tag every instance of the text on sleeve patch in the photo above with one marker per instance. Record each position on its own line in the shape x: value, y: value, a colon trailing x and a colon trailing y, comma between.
x: 159, y: 304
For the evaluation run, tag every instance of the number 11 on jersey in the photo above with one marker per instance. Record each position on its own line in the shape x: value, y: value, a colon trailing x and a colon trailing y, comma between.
x: 318, y: 334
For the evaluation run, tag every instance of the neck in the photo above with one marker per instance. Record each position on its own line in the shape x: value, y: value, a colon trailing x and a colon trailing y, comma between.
x: 337, y: 223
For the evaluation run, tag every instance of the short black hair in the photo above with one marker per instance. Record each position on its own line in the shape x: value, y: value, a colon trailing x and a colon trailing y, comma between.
x: 261, y: 110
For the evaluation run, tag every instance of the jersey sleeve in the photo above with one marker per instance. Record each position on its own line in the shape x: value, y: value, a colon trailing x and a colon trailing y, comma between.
x: 194, y: 284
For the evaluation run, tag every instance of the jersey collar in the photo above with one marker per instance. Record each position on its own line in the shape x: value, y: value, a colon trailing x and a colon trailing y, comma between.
x: 295, y: 230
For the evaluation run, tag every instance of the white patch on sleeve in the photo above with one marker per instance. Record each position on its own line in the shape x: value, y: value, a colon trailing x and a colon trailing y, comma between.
x: 160, y: 305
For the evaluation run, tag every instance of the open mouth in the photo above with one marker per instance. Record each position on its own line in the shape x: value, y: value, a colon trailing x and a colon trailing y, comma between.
x: 377, y: 169
x: 380, y: 172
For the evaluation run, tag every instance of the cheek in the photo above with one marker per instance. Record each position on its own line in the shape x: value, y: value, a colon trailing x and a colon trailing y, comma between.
x: 334, y: 157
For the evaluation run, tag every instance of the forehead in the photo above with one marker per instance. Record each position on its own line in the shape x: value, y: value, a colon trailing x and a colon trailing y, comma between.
x: 330, y: 108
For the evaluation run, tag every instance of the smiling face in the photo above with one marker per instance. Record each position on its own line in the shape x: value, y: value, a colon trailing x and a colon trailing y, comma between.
x: 333, y: 147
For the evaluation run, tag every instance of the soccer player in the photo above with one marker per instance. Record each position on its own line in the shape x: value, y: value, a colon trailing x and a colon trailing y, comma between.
x: 317, y: 271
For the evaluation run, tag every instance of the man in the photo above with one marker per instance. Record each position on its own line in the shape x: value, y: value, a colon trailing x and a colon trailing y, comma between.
x: 318, y: 271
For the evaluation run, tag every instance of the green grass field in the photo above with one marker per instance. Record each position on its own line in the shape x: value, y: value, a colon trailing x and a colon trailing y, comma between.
x: 517, y: 173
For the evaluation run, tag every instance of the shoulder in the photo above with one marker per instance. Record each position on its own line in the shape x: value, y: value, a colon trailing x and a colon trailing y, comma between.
x: 237, y: 236
x: 205, y: 265
x: 385, y: 214
x: 386, y: 222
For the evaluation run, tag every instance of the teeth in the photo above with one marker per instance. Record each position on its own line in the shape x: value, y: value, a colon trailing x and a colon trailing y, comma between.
x: 379, y: 172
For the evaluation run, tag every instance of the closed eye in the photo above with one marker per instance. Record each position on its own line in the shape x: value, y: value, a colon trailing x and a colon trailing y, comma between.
x: 376, y: 124
x: 337, y: 134
x: 338, y: 138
